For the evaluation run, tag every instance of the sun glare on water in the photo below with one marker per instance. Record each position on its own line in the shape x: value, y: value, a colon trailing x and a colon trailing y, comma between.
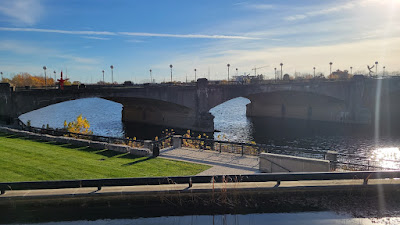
x: 386, y: 157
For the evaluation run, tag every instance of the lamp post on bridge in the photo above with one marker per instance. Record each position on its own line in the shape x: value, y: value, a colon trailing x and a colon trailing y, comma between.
x: 103, y: 77
x: 1, y: 73
x: 170, y: 66
x: 376, y: 68
x: 237, y: 72
x: 281, y: 71
x: 45, y: 77
x: 330, y: 68
x: 384, y: 70
x: 151, y: 76
x: 195, y: 75
x: 55, y: 77
x: 228, y: 65
x: 351, y: 70
x: 314, y: 71
x: 275, y: 73
x: 112, y: 74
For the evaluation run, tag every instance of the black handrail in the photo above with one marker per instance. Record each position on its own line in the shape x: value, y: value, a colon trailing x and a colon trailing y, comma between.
x: 277, y: 177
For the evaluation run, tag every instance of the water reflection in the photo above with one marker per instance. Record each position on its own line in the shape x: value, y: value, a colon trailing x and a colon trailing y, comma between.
x: 386, y: 157
x: 104, y: 116
x: 306, y: 218
x: 231, y: 122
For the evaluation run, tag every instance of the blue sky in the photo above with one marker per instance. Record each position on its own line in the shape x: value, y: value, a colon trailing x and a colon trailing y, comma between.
x: 87, y: 36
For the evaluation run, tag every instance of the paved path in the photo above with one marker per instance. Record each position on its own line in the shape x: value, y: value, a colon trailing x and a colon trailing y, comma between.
x: 222, y: 163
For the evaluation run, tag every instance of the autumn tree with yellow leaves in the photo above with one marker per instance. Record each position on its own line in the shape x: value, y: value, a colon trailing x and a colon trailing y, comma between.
x: 80, y: 125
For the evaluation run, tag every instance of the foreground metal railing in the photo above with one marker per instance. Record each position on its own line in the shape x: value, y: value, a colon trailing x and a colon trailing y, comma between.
x: 190, y: 180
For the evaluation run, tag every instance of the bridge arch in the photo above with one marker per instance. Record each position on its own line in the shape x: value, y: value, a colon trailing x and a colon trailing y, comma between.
x: 297, y: 105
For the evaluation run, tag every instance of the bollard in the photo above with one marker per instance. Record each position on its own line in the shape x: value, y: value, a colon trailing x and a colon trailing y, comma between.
x: 156, y: 150
x: 148, y: 144
x: 332, y: 157
x: 177, y: 141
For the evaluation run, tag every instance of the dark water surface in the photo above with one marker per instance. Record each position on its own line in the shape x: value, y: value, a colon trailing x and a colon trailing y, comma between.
x: 304, y: 218
x: 231, y: 122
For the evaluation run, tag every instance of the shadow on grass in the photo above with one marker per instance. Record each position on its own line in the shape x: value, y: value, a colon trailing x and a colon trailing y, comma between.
x: 104, y: 152
x: 137, y: 161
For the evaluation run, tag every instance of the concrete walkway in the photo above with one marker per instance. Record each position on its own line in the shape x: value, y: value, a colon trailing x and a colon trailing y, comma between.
x: 222, y: 163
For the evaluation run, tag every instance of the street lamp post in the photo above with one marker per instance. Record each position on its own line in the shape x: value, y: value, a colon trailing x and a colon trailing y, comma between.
x: 314, y: 71
x: 195, y: 75
x: 151, y: 76
x: 45, y: 77
x: 103, y: 77
x: 281, y: 71
x: 384, y: 70
x: 330, y: 68
x: 170, y: 66
x: 1, y: 73
x: 351, y: 70
x: 55, y: 77
x: 112, y: 74
x: 275, y: 73
x: 228, y: 65
x: 237, y: 72
x: 376, y: 68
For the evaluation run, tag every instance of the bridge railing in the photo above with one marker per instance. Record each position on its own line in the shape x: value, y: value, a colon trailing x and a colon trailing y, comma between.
x: 190, y: 180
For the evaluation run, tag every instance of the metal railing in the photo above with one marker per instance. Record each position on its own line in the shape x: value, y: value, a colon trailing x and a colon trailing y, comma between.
x: 57, y: 132
x: 344, y: 161
x: 270, y: 177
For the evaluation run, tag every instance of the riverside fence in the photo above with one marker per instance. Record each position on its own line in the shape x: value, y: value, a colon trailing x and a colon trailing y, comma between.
x: 352, y: 162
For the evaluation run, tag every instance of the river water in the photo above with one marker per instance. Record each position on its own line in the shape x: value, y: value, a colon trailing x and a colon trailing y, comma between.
x: 231, y: 124
x: 301, y: 218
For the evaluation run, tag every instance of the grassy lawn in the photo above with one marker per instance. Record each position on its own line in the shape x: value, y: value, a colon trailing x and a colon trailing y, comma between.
x: 29, y: 160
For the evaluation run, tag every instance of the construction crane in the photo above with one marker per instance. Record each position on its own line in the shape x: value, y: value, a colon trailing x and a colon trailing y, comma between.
x: 256, y: 68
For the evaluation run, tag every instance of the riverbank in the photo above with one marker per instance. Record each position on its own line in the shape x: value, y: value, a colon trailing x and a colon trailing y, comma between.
x: 22, y: 159
x: 343, y: 197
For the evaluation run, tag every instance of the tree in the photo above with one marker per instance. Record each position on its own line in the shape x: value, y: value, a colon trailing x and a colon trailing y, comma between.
x: 80, y: 125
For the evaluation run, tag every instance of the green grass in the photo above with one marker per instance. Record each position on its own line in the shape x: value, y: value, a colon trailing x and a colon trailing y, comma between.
x: 29, y: 160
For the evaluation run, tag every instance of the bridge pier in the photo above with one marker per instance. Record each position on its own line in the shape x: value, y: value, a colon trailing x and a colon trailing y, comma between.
x: 165, y: 114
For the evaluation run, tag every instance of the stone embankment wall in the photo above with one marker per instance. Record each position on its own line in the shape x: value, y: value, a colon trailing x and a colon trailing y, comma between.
x: 79, y: 142
x: 274, y: 163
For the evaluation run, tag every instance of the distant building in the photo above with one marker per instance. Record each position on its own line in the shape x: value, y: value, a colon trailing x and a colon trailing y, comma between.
x: 246, y: 79
x: 341, y: 75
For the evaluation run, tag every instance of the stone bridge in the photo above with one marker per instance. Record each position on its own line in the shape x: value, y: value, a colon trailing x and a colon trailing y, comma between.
x: 187, y: 107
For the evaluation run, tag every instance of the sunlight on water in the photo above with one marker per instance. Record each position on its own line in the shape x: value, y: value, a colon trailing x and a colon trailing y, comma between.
x: 382, y: 155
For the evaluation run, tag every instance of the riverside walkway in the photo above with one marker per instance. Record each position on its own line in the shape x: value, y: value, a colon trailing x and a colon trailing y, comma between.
x: 222, y: 163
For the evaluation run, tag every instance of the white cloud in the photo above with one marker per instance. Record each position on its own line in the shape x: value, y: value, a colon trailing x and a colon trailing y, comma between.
x: 139, y: 34
x: 96, y: 38
x: 57, y: 31
x: 30, y: 49
x: 22, y: 12
x: 324, y: 11
x: 186, y: 36
x: 248, y: 5
x: 300, y: 59
x: 134, y: 41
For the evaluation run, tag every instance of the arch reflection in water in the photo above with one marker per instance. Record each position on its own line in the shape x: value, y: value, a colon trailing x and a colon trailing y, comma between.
x: 104, y: 116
